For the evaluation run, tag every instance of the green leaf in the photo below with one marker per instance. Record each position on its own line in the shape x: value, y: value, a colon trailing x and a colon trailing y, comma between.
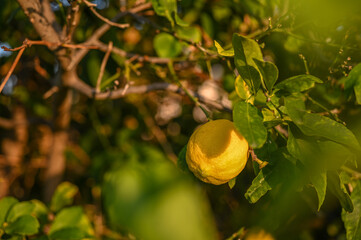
x: 42, y: 237
x: 20, y: 209
x: 73, y: 233
x: 24, y: 225
x: 241, y: 88
x: 63, y: 196
x: 357, y: 90
x: 5, y: 205
x: 232, y: 182
x: 40, y: 211
x: 192, y: 34
x: 353, y: 82
x: 319, y: 155
x: 316, y: 125
x: 180, y: 22
x: 249, y: 123
x: 298, y: 83
x: 339, y: 190
x: 72, y: 217
x: 182, y: 162
x: 145, y: 198
x: 303, y: 150
x: 319, y: 182
x: 222, y: 52
x: 270, y: 119
x: 245, y: 51
x: 259, y: 186
x: 168, y: 9
x: 279, y: 171
x: 166, y: 46
x: 269, y: 72
x: 352, y: 220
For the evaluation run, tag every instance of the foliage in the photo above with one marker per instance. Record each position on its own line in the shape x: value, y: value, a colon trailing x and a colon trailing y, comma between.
x: 288, y: 73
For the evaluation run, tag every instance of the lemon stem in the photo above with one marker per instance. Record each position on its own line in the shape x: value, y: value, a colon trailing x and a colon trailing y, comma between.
x: 194, y: 99
x: 261, y: 163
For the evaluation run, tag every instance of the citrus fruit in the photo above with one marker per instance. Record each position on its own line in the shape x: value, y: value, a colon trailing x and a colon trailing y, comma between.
x: 216, y: 152
x: 258, y: 235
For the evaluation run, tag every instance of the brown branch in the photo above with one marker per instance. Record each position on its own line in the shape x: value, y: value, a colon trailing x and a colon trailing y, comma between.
x: 12, y: 68
x: 14, y: 150
x: 90, y: 92
x: 104, y: 19
x: 79, y: 55
x: 50, y: 45
x: 103, y: 47
x: 6, y: 123
x: 73, y: 18
x: 103, y: 65
x: 43, y: 19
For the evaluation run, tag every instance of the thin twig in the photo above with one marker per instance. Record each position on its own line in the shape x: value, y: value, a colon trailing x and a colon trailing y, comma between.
x: 305, y: 63
x: 50, y: 92
x: 355, y: 174
x: 334, y: 116
x: 114, y: 24
x: 12, y: 68
x: 103, y: 65
x: 195, y: 100
x: 6, y: 123
x: 29, y: 43
x: 261, y: 163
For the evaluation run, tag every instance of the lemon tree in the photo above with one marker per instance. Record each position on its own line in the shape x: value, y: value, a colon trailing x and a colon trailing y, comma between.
x: 260, y: 100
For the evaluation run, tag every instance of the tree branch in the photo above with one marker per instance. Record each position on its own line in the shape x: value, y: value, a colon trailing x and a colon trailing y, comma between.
x: 111, y: 23
x: 79, y: 55
x: 90, y: 92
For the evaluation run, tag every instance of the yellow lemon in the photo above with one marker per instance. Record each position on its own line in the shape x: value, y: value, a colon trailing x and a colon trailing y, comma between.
x: 259, y: 235
x: 217, y: 152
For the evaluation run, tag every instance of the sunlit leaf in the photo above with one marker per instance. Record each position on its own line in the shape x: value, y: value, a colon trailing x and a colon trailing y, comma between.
x: 192, y: 34
x: 298, y: 83
x: 231, y: 183
x: 40, y: 211
x: 63, y: 195
x: 180, y: 22
x: 245, y: 51
x: 24, y: 225
x: 249, y: 123
x: 260, y: 185
x: 241, y: 88
x: 20, y: 209
x: 73, y: 217
x: 5, y: 205
x: 168, y: 9
x: 167, y: 46
x: 222, y: 52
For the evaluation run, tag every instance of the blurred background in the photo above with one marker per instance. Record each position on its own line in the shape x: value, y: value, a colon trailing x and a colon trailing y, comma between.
x: 125, y: 149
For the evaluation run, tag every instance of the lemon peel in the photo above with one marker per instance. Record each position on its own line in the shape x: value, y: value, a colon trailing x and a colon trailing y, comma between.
x: 216, y: 152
